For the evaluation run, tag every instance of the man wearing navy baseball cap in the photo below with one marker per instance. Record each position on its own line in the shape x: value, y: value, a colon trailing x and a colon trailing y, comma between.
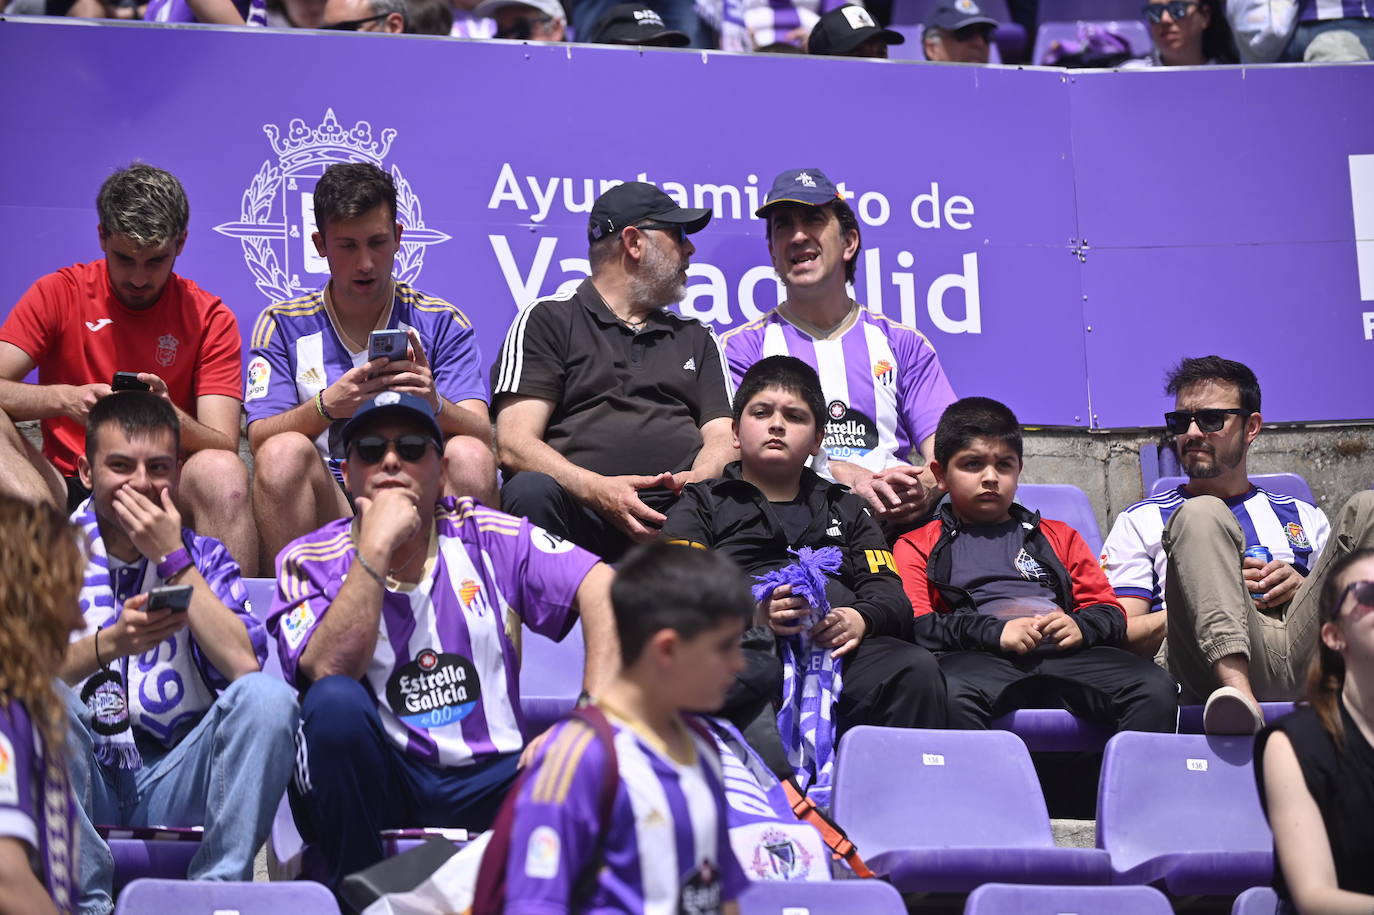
x: 959, y: 32
x: 883, y: 384
x: 851, y: 31
x: 606, y: 403
x: 396, y: 626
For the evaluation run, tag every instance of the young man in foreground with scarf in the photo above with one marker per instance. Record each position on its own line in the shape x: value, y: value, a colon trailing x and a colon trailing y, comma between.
x: 172, y: 721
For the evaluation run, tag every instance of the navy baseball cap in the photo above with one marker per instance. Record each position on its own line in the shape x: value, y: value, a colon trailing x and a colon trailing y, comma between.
x: 845, y: 28
x: 387, y: 404
x: 807, y: 186
x: 957, y: 15
x: 626, y: 204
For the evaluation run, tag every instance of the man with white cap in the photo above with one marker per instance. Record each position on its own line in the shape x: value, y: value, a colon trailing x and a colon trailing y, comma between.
x: 526, y: 20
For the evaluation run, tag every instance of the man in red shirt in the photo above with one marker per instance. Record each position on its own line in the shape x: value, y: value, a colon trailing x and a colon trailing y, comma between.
x: 130, y: 313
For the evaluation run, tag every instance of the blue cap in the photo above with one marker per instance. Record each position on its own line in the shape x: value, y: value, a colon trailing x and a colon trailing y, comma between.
x: 807, y: 186
x: 392, y: 403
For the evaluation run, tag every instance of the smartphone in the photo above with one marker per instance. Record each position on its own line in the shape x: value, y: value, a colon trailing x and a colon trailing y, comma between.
x: 387, y: 344
x: 169, y: 597
x: 128, y: 381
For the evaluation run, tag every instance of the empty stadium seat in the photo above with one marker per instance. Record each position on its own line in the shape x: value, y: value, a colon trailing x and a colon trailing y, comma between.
x: 1258, y: 900
x: 1054, y: 730
x: 1182, y: 810
x: 1063, y: 502
x: 947, y: 811
x: 154, y: 854
x: 837, y: 897
x: 1088, y: 10
x: 182, y: 897
x: 1018, y: 899
x: 1283, y: 484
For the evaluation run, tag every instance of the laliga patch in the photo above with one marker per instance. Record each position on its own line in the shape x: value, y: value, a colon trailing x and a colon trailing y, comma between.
x: 259, y: 377
x: 9, y: 773
x: 434, y: 690
x: 545, y: 542
x: 296, y: 624
x: 1296, y: 536
x: 848, y: 433
x: 700, y: 892
x: 542, y: 854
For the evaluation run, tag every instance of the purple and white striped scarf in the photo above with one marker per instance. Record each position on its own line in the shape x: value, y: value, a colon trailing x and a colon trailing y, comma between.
x: 811, y: 675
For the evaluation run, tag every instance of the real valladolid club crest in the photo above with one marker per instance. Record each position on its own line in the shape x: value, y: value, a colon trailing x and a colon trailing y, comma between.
x: 278, y: 215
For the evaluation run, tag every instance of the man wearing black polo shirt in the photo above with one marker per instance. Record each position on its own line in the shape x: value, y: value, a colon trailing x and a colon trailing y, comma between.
x: 606, y: 404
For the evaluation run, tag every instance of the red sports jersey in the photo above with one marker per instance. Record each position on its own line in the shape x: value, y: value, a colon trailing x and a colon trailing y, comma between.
x: 75, y: 330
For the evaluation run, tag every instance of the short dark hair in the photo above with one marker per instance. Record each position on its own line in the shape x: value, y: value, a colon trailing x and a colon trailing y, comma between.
x: 673, y: 586
x: 971, y: 418
x: 347, y: 190
x: 138, y: 413
x: 787, y: 373
x: 844, y: 213
x: 1192, y: 371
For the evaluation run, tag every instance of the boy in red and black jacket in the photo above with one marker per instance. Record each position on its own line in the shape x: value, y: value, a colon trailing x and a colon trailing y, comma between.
x: 1015, y: 606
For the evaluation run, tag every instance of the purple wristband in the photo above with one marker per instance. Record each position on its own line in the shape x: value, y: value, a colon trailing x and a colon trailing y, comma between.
x: 173, y: 563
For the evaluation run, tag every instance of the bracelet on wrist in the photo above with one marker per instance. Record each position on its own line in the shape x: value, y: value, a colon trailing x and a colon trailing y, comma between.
x: 378, y: 577
x: 320, y: 408
x: 173, y: 564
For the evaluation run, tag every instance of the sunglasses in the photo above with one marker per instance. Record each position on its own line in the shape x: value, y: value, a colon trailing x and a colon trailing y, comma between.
x: 410, y: 448
x: 1363, y: 592
x: 1210, y: 420
x: 523, y: 28
x: 352, y: 25
x: 670, y: 228
x: 1177, y: 9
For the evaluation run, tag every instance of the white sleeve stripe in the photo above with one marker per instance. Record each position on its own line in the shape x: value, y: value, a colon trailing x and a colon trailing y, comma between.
x: 724, y: 366
x: 513, y: 354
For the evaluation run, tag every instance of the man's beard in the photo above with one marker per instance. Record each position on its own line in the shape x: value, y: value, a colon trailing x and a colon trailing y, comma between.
x: 658, y: 281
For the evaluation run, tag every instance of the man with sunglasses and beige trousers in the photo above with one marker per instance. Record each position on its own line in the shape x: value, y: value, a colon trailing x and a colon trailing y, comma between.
x: 1234, y: 629
x: 310, y: 366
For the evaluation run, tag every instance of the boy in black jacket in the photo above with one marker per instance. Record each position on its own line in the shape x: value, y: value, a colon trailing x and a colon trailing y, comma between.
x: 770, y: 501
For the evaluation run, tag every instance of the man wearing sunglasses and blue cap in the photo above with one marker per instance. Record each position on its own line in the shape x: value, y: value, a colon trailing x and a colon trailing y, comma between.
x: 402, y: 627
x: 1239, y: 629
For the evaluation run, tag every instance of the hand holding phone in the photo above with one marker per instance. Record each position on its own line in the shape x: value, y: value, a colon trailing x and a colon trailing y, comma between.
x: 128, y: 381
x: 387, y: 344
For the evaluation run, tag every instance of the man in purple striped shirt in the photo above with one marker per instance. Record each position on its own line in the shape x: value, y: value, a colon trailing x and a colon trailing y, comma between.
x: 403, y: 628
x: 883, y: 384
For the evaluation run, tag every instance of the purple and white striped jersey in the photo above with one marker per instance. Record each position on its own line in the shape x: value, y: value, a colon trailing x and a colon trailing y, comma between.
x: 37, y: 806
x: 1316, y: 10
x: 466, y: 25
x: 666, y: 850
x: 445, y: 672
x: 1133, y: 555
x: 883, y: 384
x: 297, y: 352
x: 774, y: 21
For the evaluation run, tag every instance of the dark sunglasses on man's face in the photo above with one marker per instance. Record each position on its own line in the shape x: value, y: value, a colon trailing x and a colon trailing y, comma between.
x: 1178, y: 421
x: 523, y: 27
x: 1177, y: 9
x: 352, y: 25
x: 670, y: 228
x: 1362, y: 591
x: 410, y: 448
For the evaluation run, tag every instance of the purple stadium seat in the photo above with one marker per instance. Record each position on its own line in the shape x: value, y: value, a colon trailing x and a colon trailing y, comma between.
x: 837, y: 897
x: 181, y: 897
x: 1182, y: 810
x: 1130, y: 28
x: 1018, y: 899
x: 153, y: 854
x: 1088, y: 10
x: 1283, y: 484
x: 1063, y: 502
x: 1258, y: 900
x: 260, y: 593
x: 947, y: 811
x: 1190, y: 716
x: 1054, y: 730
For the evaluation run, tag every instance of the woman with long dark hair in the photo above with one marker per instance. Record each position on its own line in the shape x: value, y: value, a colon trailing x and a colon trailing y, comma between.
x: 41, y: 565
x: 1315, y: 767
x: 1188, y: 33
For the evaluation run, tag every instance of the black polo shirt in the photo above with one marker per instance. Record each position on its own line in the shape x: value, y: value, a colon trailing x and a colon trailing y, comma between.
x: 624, y: 402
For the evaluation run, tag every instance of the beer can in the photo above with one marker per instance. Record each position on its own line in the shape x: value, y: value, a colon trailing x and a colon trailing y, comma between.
x: 1263, y: 555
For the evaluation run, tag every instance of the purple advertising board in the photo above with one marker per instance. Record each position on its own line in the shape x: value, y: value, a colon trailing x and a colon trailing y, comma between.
x: 975, y: 187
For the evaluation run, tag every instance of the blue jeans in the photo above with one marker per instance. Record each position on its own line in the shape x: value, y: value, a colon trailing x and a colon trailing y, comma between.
x: 357, y: 783
x: 1363, y: 29
x: 227, y: 773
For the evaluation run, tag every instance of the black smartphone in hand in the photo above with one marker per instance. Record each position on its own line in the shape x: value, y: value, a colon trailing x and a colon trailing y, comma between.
x: 128, y: 381
x: 387, y: 344
x: 169, y: 597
